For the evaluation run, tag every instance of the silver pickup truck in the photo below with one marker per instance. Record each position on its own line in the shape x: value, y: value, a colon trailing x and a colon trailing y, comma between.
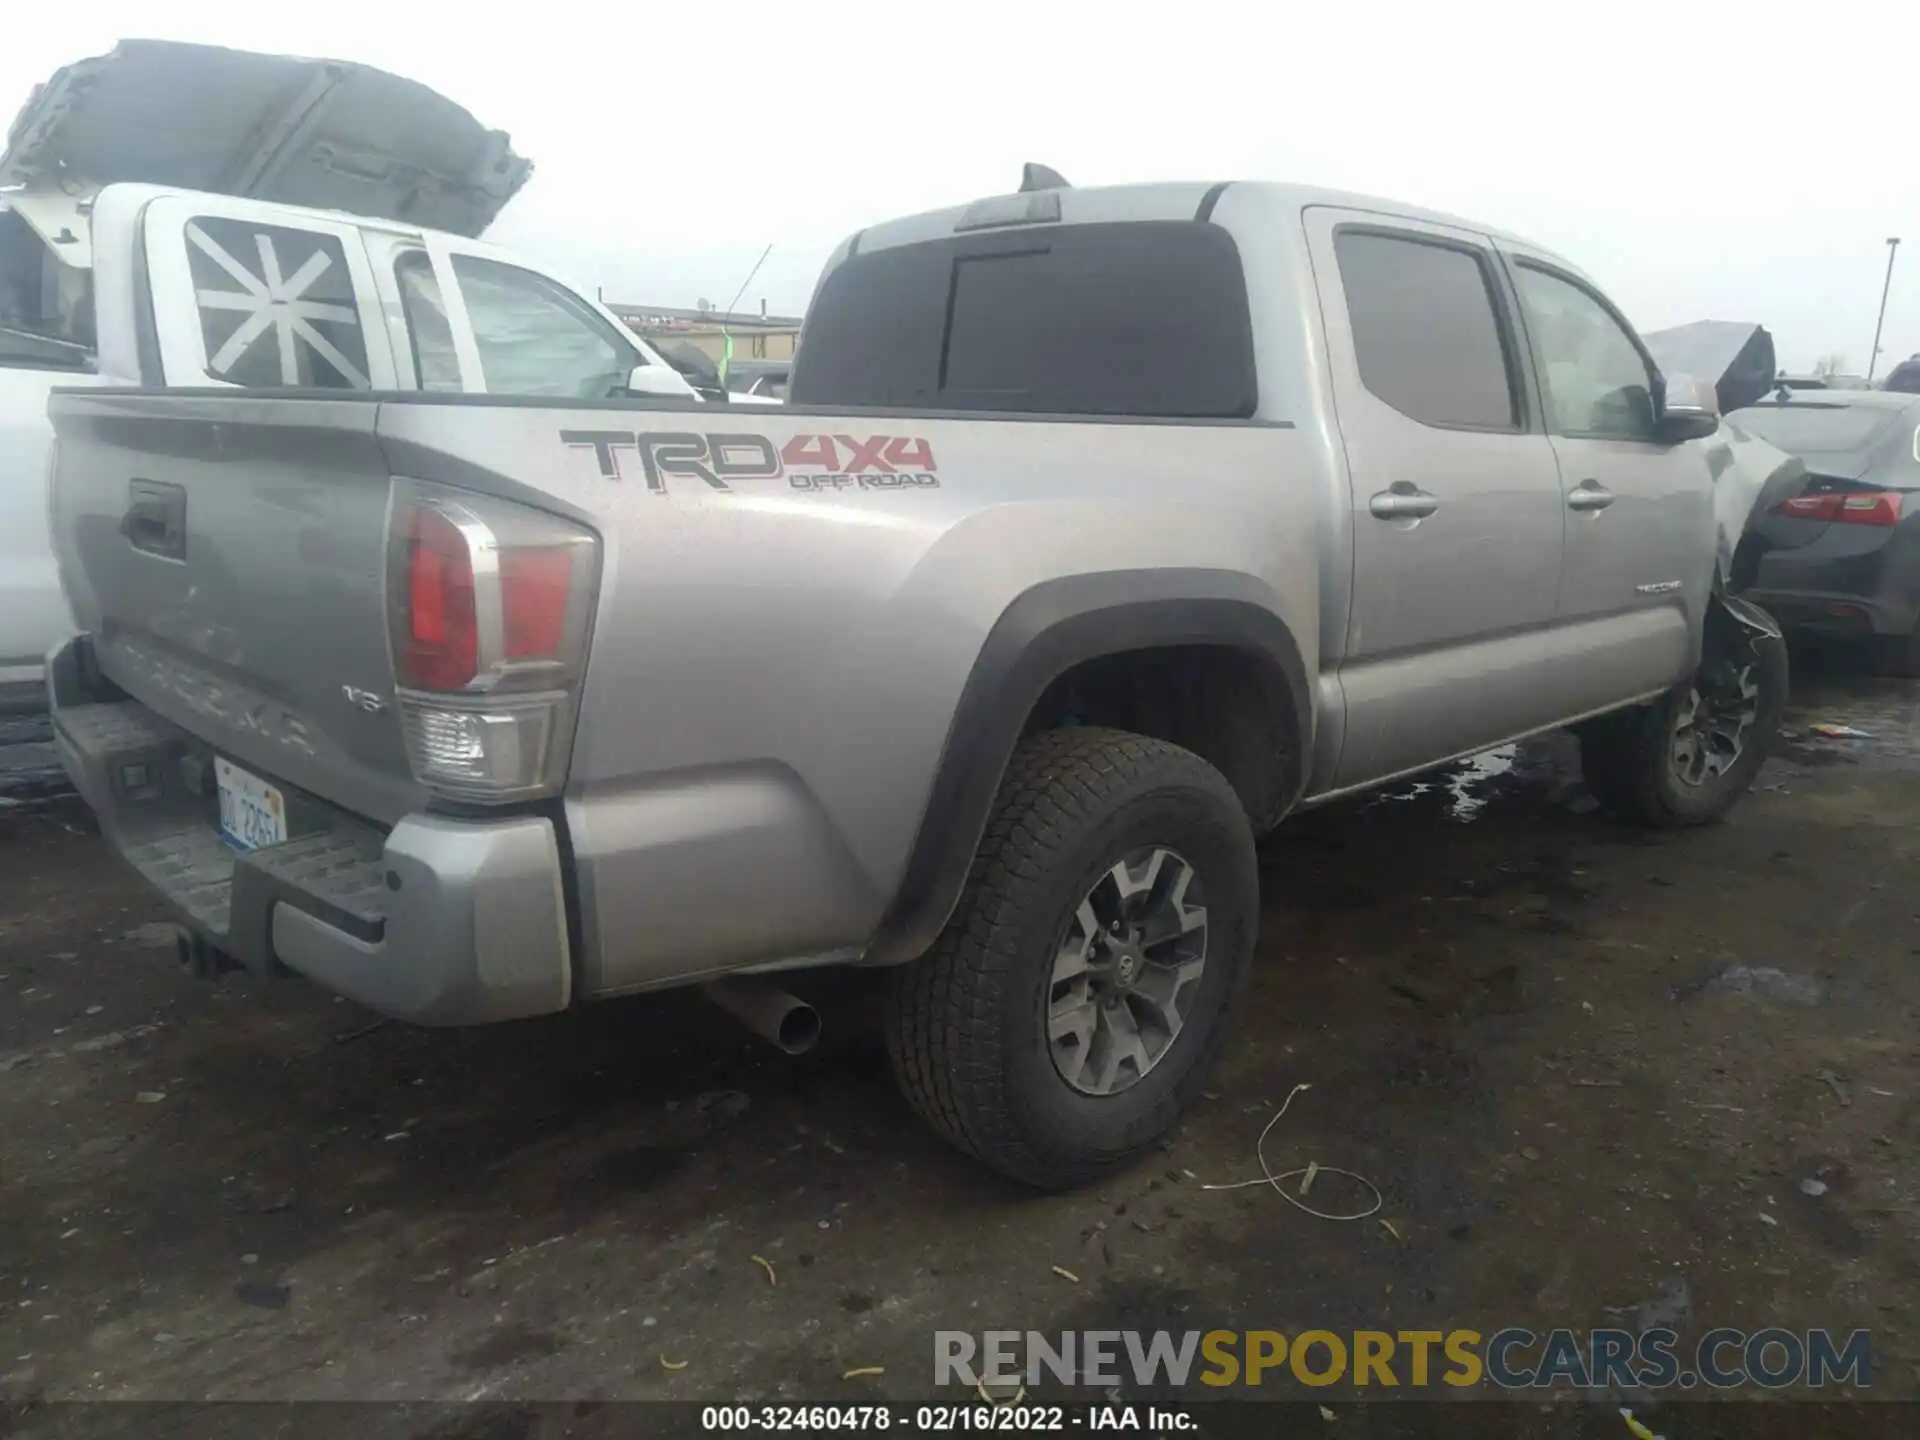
x: 1106, y: 528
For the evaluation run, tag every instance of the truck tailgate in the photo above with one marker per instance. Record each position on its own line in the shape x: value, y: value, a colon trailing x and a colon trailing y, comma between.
x: 228, y: 555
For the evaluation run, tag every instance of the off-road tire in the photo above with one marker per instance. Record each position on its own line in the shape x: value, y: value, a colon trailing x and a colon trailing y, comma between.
x: 966, y: 1022
x: 1627, y: 759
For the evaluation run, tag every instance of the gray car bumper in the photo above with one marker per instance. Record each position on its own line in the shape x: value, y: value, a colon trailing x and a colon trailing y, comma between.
x: 1836, y: 614
x: 1849, y: 581
x: 23, y: 690
x: 439, y: 920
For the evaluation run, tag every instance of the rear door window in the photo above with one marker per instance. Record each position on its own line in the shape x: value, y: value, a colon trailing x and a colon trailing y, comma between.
x: 429, y: 334
x: 1146, y: 318
x: 1427, y: 331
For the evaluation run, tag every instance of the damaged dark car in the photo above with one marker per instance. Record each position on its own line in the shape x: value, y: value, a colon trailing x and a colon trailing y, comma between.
x: 1840, y: 559
x: 1843, y: 559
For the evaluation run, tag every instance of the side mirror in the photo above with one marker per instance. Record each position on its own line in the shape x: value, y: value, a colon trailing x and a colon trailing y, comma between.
x: 657, y: 380
x: 1689, y: 410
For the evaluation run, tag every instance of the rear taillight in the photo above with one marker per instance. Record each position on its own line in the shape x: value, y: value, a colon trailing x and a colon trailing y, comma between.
x: 441, y: 647
x: 1845, y: 507
x: 490, y: 603
x: 535, y: 585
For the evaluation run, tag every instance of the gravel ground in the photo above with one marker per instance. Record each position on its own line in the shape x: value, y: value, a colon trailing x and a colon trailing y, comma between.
x: 1588, y: 1069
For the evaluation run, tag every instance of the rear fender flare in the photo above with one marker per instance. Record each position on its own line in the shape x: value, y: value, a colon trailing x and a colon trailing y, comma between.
x: 1048, y: 630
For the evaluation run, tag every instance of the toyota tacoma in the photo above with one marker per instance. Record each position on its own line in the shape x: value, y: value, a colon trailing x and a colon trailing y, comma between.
x: 1105, y: 529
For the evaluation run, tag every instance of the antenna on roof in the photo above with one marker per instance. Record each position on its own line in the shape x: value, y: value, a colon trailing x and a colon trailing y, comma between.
x: 1041, y: 177
x: 726, y: 315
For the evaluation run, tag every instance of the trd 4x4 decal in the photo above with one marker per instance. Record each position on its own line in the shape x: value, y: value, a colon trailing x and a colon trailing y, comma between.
x: 805, y: 462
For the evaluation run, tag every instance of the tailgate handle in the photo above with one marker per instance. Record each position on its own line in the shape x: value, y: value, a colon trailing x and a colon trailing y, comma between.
x: 156, y: 518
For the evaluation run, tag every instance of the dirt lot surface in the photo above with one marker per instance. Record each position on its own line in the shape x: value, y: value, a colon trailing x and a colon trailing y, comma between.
x: 1589, y: 1069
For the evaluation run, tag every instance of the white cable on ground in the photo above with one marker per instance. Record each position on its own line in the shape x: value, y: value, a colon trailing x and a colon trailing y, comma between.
x: 1267, y: 1177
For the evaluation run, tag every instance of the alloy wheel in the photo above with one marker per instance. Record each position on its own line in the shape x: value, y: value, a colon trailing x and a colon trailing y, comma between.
x: 1127, y: 971
x: 1710, y: 731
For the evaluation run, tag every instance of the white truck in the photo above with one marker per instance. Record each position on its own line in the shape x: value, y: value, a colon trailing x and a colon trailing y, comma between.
x: 331, y: 246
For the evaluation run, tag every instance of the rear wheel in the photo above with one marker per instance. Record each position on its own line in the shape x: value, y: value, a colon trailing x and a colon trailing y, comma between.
x: 1076, y: 1000
x: 1685, y: 759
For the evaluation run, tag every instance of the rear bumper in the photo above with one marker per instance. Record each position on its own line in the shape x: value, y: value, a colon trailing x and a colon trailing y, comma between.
x: 1843, y: 584
x: 440, y: 921
x: 1836, y: 616
x: 23, y: 690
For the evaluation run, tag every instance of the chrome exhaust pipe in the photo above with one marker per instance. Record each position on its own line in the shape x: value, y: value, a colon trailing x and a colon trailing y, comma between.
x: 784, y: 1021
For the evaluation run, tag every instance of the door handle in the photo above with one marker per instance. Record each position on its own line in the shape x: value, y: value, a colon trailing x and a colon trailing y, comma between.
x: 1403, y: 501
x: 1589, y: 496
x: 156, y: 518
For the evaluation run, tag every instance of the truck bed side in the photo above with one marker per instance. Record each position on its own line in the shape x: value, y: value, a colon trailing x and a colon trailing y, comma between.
x: 791, y: 609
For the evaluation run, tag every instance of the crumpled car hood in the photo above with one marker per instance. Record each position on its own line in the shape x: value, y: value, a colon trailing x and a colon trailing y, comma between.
x: 1733, y: 356
x: 323, y: 133
x: 1750, y: 476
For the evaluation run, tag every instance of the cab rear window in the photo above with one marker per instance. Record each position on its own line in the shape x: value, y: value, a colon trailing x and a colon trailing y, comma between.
x: 276, y: 305
x: 1145, y: 318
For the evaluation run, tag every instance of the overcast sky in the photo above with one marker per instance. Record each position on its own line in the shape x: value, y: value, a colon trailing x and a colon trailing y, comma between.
x: 1745, y: 168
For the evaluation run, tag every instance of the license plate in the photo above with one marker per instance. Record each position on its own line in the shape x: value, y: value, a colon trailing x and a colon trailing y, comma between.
x: 252, y: 812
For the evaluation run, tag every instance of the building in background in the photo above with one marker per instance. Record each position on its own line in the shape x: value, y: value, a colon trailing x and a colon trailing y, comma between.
x: 755, y: 336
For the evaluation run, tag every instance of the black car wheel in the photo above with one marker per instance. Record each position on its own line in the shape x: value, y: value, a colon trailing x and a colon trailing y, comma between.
x: 1686, y: 758
x: 1076, y: 1000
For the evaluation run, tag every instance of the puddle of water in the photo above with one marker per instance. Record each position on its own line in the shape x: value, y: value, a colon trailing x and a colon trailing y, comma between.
x: 1764, y: 982
x: 1533, y: 773
x: 1466, y: 783
x: 1452, y: 790
x: 1456, y: 787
